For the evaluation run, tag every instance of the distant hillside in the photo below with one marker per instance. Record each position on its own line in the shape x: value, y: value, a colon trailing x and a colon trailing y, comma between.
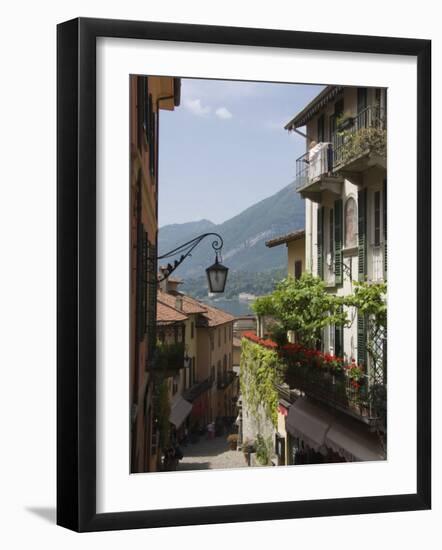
x: 244, y: 236
x: 257, y: 283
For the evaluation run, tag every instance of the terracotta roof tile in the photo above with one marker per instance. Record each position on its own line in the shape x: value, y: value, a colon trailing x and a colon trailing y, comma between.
x: 168, y: 314
x: 217, y: 316
x: 189, y: 305
x: 211, y: 315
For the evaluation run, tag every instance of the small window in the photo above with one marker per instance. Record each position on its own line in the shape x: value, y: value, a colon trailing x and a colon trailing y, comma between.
x: 298, y: 269
x: 192, y: 329
x: 225, y: 334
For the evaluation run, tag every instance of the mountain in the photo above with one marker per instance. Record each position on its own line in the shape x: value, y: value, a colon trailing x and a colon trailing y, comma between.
x: 244, y: 236
x: 170, y: 236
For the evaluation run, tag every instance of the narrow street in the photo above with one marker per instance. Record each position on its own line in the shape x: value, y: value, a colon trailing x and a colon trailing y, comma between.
x: 210, y: 454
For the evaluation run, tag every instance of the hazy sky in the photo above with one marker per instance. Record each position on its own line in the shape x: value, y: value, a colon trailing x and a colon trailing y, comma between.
x: 225, y: 148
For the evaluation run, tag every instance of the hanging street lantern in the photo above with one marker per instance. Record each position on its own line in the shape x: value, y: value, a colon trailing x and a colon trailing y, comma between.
x: 216, y: 273
x: 217, y: 276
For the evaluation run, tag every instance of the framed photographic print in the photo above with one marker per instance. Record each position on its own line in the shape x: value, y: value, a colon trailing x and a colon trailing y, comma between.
x: 229, y: 312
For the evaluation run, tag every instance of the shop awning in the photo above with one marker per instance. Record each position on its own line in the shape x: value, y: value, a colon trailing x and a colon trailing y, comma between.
x: 353, y: 443
x: 319, y: 427
x: 179, y: 411
x: 309, y: 422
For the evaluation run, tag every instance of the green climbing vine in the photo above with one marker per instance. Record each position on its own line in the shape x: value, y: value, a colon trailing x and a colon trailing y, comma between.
x: 260, y: 371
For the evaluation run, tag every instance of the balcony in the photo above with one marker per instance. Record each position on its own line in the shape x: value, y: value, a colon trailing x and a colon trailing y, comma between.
x: 168, y: 358
x: 314, y: 172
x: 225, y: 380
x: 360, y: 142
x: 337, y: 390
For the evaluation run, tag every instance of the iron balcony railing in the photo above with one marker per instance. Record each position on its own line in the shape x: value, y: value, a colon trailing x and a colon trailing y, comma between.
x: 302, y: 170
x: 370, y: 117
x: 358, y: 398
x: 312, y: 165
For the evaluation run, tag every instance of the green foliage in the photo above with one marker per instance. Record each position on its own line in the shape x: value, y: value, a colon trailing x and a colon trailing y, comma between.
x: 169, y: 355
x: 370, y: 299
x: 357, y: 143
x: 278, y: 334
x: 260, y: 371
x: 264, y: 449
x: 264, y: 306
x: 304, y: 306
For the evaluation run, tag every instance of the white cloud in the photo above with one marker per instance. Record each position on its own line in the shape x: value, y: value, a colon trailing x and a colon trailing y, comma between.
x: 195, y: 107
x: 223, y: 113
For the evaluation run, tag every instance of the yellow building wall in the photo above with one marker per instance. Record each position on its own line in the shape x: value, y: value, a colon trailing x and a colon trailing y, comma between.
x: 295, y: 252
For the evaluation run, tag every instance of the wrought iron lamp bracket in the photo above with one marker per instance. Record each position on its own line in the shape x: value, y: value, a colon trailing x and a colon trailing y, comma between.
x: 186, y: 250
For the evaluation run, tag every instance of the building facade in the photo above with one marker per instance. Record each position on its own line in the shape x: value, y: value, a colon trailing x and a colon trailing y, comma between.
x: 208, y: 380
x: 324, y: 415
x: 343, y: 178
x: 148, y: 96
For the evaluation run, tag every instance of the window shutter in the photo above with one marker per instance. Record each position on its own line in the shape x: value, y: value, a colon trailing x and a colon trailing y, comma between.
x: 320, y: 222
x: 384, y: 206
x: 339, y: 338
x: 362, y: 336
x: 338, y: 241
x: 377, y: 218
x: 362, y: 235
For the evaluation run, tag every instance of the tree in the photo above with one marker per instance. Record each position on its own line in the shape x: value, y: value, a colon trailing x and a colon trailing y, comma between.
x: 304, y: 306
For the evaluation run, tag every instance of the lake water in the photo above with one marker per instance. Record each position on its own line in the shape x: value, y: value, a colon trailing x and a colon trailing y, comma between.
x: 232, y: 306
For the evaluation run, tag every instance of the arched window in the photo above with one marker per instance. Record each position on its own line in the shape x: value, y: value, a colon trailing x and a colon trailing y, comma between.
x: 351, y: 223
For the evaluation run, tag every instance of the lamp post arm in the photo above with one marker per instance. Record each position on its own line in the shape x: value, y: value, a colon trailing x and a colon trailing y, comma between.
x: 186, y: 249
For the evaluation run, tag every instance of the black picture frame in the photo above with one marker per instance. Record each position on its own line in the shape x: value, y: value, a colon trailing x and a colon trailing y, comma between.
x: 76, y: 273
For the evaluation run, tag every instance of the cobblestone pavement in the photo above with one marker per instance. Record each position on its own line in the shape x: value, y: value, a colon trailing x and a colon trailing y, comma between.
x: 210, y: 454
